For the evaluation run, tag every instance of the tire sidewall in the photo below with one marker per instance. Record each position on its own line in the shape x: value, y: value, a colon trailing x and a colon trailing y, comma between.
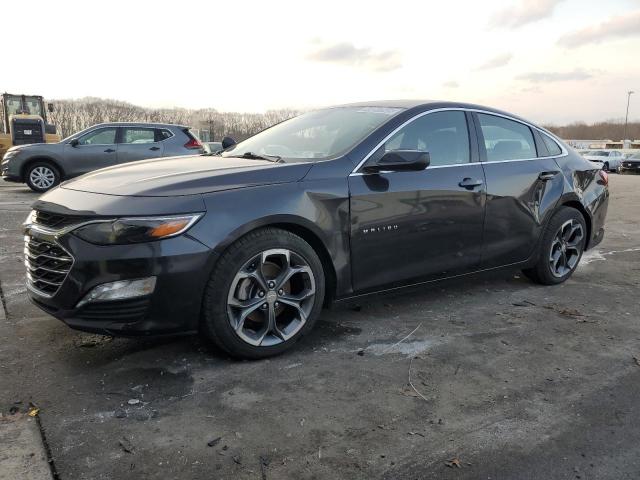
x: 35, y: 165
x: 215, y: 322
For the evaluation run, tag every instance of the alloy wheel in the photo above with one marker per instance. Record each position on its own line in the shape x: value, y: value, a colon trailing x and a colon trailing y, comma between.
x: 566, y: 248
x: 271, y: 297
x: 42, y: 177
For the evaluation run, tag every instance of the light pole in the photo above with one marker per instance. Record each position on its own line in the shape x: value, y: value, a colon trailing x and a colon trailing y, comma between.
x: 626, y: 118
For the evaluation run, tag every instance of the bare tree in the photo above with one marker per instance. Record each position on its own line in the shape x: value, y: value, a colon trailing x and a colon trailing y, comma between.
x: 71, y: 116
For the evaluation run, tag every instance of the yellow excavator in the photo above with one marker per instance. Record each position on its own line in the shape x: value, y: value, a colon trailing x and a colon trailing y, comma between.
x: 25, y: 121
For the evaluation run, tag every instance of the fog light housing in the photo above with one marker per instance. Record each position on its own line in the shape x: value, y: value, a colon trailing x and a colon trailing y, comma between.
x: 120, y: 290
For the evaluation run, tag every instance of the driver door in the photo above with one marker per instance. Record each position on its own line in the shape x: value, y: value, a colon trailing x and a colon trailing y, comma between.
x: 412, y: 226
x: 95, y: 149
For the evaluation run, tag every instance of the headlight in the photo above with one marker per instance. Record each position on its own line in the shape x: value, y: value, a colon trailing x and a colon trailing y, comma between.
x: 10, y: 153
x: 136, y: 230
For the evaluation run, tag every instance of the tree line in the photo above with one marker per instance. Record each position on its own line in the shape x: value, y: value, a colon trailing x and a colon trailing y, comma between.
x: 609, y: 130
x: 71, y: 116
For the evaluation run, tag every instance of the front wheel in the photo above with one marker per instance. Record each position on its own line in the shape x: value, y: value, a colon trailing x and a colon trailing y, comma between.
x: 561, y: 248
x: 264, y: 294
x: 42, y: 176
x: 605, y: 167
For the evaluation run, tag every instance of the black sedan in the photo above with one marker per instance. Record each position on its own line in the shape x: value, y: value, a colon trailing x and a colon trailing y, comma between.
x: 247, y: 246
x: 630, y: 164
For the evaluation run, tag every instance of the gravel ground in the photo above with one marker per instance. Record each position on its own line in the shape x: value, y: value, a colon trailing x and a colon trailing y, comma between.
x: 497, y: 378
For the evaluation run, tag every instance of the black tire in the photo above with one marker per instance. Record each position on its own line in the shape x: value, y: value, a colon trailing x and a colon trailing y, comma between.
x: 217, y: 310
x: 605, y: 167
x: 546, y: 272
x: 42, y: 176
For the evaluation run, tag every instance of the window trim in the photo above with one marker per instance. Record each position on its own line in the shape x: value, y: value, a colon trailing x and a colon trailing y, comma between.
x: 565, y: 153
x: 115, y: 138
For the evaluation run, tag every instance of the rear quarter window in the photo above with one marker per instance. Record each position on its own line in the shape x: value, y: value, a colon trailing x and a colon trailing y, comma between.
x: 162, y: 134
x: 552, y: 146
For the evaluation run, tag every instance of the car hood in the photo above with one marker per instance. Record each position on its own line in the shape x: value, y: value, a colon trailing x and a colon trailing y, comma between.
x: 36, y: 147
x: 596, y: 158
x: 186, y: 175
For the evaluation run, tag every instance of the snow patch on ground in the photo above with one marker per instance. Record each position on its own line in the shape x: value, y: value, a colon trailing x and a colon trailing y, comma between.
x: 405, y: 348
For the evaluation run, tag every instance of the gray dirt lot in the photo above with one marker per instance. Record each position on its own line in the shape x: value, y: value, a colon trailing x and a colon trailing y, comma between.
x: 516, y: 380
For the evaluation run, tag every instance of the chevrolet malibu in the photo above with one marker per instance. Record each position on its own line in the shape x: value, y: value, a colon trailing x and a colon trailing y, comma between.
x: 247, y: 246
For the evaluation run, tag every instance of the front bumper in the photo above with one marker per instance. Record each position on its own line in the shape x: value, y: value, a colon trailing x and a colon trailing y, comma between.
x: 10, y: 171
x: 181, y: 265
x: 635, y: 168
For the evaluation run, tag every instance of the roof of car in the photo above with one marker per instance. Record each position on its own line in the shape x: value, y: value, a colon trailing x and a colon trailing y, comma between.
x: 408, y: 104
x: 141, y: 124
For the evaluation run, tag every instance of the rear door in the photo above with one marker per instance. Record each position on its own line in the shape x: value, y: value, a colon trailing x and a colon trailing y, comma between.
x: 139, y: 143
x: 523, y: 185
x: 418, y: 225
x: 95, y: 149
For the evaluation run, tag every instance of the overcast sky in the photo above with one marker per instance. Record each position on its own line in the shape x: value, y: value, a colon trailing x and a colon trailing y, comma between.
x: 548, y: 60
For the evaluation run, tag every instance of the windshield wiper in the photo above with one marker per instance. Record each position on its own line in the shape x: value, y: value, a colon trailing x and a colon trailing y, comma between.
x: 255, y: 156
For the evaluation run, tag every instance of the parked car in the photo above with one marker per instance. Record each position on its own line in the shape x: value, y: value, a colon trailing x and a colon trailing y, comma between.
x: 608, y: 160
x: 212, y: 147
x: 631, y: 164
x: 330, y: 205
x: 42, y: 166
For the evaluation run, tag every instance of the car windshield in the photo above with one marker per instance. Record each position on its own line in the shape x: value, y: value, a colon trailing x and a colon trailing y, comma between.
x: 317, y: 135
x: 635, y: 156
x: 600, y: 153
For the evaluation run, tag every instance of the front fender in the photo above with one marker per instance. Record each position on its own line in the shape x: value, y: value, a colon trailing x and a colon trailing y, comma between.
x: 320, y: 207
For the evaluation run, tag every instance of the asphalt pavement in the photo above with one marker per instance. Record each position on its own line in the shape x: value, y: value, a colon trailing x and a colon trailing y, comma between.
x: 487, y: 377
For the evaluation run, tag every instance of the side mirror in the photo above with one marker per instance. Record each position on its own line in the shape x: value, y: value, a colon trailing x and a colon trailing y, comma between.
x: 400, y: 161
x: 74, y: 142
x: 228, y: 142
x: 50, y: 107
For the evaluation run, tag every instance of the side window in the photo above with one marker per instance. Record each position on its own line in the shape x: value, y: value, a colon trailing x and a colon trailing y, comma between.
x: 552, y: 146
x: 103, y: 136
x: 443, y: 134
x: 138, y: 135
x: 506, y: 139
x: 162, y: 134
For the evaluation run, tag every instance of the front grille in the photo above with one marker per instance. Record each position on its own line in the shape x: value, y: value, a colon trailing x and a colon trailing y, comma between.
x: 56, y: 221
x: 47, y: 264
x: 125, y: 311
x: 27, y: 131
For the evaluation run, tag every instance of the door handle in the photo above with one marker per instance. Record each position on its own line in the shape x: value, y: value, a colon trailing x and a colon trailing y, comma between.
x: 544, y: 176
x: 470, y: 183
x: 154, y: 148
x: 109, y: 150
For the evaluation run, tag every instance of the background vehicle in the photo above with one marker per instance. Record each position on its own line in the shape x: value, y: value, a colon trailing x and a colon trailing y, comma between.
x: 631, y: 164
x: 43, y: 166
x: 609, y: 160
x: 212, y: 147
x: 332, y: 204
x: 24, y: 119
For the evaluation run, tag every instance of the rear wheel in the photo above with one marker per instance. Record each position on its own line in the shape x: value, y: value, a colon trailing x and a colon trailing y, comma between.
x: 264, y: 294
x: 42, y: 176
x: 561, y: 248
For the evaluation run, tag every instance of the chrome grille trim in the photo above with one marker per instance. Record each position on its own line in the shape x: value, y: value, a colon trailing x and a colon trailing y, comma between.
x: 48, y: 264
